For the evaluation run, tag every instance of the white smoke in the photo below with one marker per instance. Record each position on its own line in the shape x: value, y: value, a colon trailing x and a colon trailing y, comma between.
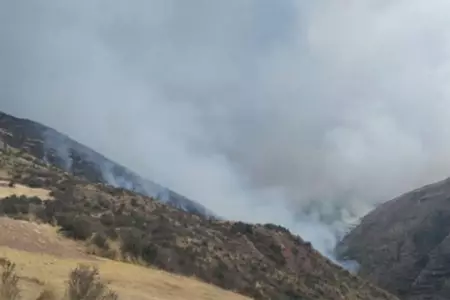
x: 301, y: 113
x: 59, y: 144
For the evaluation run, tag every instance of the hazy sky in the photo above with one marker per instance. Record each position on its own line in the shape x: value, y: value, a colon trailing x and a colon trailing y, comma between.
x: 262, y: 110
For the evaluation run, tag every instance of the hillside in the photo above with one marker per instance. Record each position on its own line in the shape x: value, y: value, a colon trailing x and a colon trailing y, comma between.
x: 404, y: 245
x: 262, y: 261
x: 58, y: 149
x: 45, y: 260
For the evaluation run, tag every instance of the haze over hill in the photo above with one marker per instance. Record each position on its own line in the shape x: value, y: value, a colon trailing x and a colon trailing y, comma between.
x: 67, y: 154
x: 303, y: 114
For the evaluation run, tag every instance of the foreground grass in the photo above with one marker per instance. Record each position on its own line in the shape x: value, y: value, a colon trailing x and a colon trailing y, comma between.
x: 38, y: 272
x: 84, y: 283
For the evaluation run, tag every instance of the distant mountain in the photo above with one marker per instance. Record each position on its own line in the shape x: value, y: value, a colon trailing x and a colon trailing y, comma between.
x: 60, y: 150
x: 404, y: 244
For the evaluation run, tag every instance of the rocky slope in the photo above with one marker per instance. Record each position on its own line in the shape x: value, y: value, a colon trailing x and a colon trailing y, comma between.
x: 260, y: 261
x: 50, y: 145
x: 404, y: 245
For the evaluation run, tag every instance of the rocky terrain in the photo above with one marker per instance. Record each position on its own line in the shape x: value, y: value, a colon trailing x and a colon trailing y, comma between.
x: 262, y: 261
x: 404, y: 245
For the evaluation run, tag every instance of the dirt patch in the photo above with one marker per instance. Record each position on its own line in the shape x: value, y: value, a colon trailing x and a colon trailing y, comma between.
x: 22, y: 190
x: 39, y: 238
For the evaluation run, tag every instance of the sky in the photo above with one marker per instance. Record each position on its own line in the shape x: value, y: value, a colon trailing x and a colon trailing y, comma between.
x: 302, y: 113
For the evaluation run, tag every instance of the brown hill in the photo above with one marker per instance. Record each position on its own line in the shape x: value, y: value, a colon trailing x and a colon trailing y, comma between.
x: 260, y: 261
x: 404, y: 244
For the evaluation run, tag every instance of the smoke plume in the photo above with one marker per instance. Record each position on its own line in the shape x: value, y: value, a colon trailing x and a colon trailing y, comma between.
x: 302, y: 113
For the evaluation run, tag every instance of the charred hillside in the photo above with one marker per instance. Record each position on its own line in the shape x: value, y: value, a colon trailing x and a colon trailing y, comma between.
x: 67, y: 154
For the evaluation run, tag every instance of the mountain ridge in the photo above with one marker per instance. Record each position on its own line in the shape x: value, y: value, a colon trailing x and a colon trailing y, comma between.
x: 59, y: 149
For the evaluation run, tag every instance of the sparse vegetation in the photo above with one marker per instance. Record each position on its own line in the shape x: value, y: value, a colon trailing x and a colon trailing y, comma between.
x: 153, y: 234
x: 84, y: 284
x: 47, y: 274
x: 261, y: 261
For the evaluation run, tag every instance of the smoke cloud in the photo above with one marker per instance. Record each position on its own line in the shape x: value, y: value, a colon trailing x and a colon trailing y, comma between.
x: 302, y: 113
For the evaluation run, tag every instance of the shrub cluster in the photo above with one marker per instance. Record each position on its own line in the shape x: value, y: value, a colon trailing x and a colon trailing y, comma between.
x: 84, y: 284
x: 98, y: 221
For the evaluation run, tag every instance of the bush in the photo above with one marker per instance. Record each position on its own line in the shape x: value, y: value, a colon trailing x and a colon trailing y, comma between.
x: 132, y: 242
x: 149, y: 253
x: 240, y: 227
x: 34, y: 182
x: 100, y: 240
x: 14, y: 206
x: 107, y: 219
x: 276, y: 228
x: 9, y: 289
x: 85, y: 284
x: 77, y: 227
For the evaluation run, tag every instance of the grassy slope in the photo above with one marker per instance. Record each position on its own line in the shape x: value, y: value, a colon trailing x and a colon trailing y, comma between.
x: 269, y: 259
x: 44, y: 258
x: 38, y: 270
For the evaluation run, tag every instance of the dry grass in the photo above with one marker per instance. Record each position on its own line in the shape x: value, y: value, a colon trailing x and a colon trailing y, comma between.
x: 40, y: 238
x: 44, y: 259
x: 22, y: 190
x: 37, y: 271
